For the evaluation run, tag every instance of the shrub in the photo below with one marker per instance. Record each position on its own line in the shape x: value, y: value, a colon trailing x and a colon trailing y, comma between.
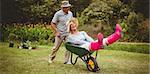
x: 38, y: 33
x: 107, y: 13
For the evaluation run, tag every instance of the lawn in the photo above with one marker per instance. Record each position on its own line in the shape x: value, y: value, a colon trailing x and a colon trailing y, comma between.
x: 22, y: 61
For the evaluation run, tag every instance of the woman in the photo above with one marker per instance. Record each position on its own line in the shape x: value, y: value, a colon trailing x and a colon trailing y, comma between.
x: 83, y: 40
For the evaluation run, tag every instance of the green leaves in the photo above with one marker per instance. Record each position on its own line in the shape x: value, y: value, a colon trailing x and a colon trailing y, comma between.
x: 38, y: 33
x: 37, y: 9
x: 108, y: 11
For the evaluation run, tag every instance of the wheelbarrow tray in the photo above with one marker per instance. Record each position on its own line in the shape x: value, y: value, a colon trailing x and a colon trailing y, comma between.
x: 76, y: 49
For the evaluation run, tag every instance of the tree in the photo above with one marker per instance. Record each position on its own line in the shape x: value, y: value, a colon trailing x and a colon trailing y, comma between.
x: 108, y: 11
x: 35, y: 10
x: 79, y: 5
x: 8, y: 11
x: 138, y: 6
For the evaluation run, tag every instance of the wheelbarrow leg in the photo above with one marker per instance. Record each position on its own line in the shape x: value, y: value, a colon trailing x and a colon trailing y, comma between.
x: 71, y: 59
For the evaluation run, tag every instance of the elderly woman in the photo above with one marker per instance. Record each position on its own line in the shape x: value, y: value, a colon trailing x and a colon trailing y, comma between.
x: 83, y: 40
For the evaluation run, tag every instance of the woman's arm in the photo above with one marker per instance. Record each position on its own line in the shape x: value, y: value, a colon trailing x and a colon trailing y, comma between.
x: 87, y: 37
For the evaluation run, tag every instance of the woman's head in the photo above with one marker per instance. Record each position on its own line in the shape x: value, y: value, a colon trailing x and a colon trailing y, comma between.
x: 73, y: 24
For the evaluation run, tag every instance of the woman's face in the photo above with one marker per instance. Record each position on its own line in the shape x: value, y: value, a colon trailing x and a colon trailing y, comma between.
x: 73, y: 26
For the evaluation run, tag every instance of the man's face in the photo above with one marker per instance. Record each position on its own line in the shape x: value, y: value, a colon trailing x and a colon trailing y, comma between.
x: 66, y: 9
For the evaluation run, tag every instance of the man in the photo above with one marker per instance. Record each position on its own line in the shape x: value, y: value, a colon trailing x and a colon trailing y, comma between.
x: 59, y: 27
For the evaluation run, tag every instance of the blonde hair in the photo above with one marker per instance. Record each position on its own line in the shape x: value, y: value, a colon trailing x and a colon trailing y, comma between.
x: 74, y: 20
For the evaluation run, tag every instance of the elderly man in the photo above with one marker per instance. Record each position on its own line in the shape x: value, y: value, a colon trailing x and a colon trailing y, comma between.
x: 59, y: 27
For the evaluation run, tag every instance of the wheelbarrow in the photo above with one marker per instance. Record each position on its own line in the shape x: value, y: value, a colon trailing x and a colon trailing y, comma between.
x: 83, y: 54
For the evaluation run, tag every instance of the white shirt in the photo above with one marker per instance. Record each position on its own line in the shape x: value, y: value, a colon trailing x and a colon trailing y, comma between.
x: 60, y: 19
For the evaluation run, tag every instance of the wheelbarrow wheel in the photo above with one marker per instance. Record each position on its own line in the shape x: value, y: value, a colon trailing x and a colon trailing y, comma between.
x: 92, y: 65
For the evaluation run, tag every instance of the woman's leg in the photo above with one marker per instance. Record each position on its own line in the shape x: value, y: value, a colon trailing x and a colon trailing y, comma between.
x: 115, y: 36
x: 86, y: 46
x: 96, y: 45
x: 106, y: 41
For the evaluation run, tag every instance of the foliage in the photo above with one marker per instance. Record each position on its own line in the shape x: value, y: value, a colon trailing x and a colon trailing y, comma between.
x: 100, y: 15
x: 79, y: 5
x: 103, y: 15
x: 35, y: 10
x: 135, y: 28
x: 24, y: 33
x: 138, y: 6
x: 143, y: 33
x: 106, y: 13
x: 3, y: 32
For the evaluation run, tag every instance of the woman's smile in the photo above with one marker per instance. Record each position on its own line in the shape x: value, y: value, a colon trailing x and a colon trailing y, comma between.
x: 73, y: 26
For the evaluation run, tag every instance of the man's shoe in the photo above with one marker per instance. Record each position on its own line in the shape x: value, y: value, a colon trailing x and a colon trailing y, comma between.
x: 50, y: 61
x: 67, y: 62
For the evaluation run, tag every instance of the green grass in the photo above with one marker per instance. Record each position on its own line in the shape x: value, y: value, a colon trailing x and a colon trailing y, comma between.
x: 131, y: 47
x: 22, y: 61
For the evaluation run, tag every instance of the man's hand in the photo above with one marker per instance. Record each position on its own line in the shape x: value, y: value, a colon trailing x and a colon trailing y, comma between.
x: 53, y: 26
x: 57, y: 34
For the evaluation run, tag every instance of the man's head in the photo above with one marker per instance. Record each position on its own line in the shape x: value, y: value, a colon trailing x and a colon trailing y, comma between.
x: 65, y: 6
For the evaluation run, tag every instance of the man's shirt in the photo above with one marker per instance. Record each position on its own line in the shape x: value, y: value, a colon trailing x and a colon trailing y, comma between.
x: 60, y: 19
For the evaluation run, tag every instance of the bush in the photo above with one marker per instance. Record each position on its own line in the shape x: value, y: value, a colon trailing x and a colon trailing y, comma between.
x: 135, y: 28
x: 107, y: 13
x: 143, y: 33
x: 27, y: 33
x: 103, y: 13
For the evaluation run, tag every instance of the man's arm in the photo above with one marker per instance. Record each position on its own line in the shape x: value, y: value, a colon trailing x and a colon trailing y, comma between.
x: 53, y: 27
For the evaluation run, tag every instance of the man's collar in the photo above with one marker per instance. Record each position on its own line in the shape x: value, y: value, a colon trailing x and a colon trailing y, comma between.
x: 64, y: 12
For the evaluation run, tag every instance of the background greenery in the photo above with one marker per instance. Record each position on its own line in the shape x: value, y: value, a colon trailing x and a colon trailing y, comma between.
x: 94, y: 16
